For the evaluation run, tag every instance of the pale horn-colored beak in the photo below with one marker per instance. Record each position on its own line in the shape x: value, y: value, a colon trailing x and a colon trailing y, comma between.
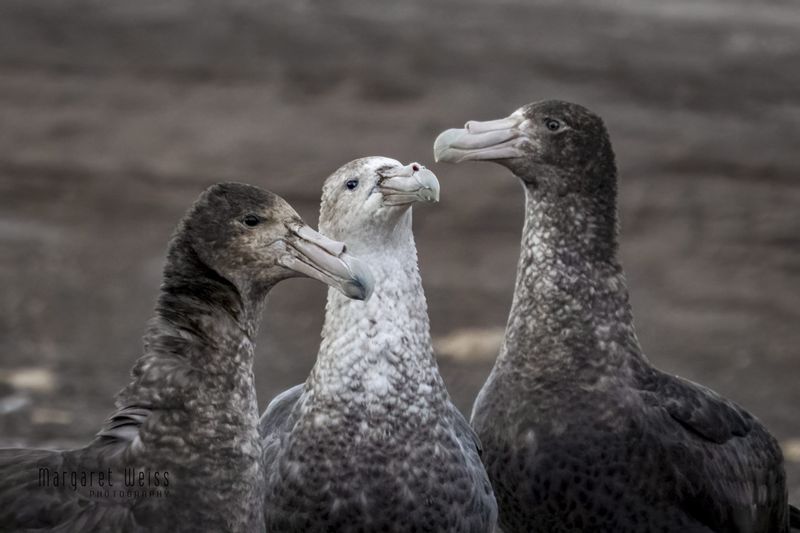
x: 408, y: 185
x: 481, y: 141
x: 316, y: 256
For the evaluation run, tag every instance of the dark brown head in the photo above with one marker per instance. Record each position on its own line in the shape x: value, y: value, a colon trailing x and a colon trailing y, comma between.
x: 253, y: 238
x: 548, y: 144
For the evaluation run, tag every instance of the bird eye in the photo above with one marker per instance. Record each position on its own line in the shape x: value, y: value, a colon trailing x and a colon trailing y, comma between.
x: 351, y: 184
x: 251, y: 220
x: 552, y: 124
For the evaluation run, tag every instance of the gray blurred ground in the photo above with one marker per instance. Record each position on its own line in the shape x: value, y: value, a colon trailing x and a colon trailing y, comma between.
x: 114, y: 115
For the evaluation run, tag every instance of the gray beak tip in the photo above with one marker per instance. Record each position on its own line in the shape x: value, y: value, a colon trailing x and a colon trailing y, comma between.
x: 358, y: 290
x: 439, y: 146
x: 325, y: 260
x: 431, y: 188
x: 442, y: 146
x: 361, y: 283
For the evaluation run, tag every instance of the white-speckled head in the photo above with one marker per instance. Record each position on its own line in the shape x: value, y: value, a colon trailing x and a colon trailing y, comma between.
x: 364, y: 200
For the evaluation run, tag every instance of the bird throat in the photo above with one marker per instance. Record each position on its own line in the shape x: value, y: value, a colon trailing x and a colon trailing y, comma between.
x: 199, y: 345
x: 377, y: 355
x: 570, y: 313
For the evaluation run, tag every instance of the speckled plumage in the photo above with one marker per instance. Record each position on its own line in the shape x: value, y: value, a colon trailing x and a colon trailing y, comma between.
x: 371, y: 441
x: 190, y: 411
x: 580, y: 432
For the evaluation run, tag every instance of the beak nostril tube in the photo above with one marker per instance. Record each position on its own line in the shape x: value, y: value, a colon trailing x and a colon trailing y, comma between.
x: 481, y: 141
x: 335, y: 248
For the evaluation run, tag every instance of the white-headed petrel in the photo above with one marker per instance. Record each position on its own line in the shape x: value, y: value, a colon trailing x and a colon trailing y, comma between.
x: 371, y: 441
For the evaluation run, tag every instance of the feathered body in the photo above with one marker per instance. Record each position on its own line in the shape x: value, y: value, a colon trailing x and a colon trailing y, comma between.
x: 582, y: 434
x: 580, y: 431
x: 371, y: 441
x: 182, y: 452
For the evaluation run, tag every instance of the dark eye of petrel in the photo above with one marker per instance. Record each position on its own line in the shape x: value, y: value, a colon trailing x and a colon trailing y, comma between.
x: 351, y: 184
x: 552, y: 124
x: 251, y: 220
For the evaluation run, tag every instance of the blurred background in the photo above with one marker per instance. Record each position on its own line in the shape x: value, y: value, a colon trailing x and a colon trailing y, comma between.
x: 115, y: 115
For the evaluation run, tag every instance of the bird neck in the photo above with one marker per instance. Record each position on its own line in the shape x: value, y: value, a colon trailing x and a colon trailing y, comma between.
x: 570, y: 314
x: 198, y: 349
x: 375, y: 351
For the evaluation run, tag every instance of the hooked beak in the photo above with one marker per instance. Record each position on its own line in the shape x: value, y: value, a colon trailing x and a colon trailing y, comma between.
x: 407, y: 185
x: 481, y: 141
x: 316, y: 256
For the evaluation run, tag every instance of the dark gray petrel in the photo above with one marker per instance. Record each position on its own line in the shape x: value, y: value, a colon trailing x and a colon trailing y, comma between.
x: 371, y: 441
x: 182, y: 452
x: 580, y: 432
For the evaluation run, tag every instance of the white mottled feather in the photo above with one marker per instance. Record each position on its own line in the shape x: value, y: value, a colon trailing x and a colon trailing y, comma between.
x: 367, y: 435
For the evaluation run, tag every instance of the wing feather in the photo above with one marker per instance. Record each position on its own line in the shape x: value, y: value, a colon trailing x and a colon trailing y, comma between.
x: 731, y: 467
x: 28, y: 501
x: 273, y: 422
